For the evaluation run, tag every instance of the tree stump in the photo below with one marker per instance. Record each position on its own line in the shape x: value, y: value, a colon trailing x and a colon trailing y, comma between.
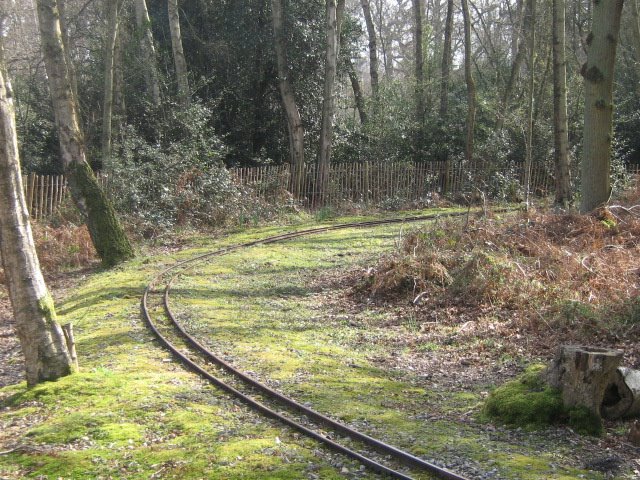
x: 583, y: 374
x: 622, y: 395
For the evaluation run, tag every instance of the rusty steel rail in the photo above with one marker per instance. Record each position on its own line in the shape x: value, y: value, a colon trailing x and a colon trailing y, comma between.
x: 180, y: 268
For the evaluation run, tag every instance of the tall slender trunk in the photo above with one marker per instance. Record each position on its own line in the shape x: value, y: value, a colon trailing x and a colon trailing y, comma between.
x: 294, y: 122
x: 530, y: 99
x: 471, y: 85
x: 335, y: 11
x: 635, y: 34
x: 446, y: 62
x: 523, y: 26
x: 41, y: 338
x: 113, y: 7
x: 373, y: 47
x: 560, y: 122
x: 119, y: 103
x: 148, y: 51
x: 598, y: 97
x: 444, y: 92
x: 106, y: 231
x: 357, y: 93
x: 418, y: 11
x: 184, y: 94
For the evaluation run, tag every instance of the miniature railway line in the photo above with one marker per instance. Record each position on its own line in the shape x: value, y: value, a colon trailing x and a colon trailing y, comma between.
x: 156, y: 312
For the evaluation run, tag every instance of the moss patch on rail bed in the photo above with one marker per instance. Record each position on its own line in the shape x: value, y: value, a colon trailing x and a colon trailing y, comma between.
x: 133, y: 413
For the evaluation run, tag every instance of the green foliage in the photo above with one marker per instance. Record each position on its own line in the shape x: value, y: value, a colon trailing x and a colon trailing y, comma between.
x: 178, y: 180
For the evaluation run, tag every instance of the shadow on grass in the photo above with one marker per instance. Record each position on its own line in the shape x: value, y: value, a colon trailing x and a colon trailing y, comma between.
x: 95, y: 297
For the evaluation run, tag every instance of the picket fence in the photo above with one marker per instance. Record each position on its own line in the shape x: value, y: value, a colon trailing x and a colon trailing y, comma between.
x: 368, y: 182
x: 380, y: 182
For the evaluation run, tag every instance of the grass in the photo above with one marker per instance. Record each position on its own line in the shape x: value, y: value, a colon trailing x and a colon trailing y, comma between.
x: 133, y: 413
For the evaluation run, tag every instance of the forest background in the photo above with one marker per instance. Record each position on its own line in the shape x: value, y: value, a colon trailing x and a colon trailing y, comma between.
x: 169, y: 94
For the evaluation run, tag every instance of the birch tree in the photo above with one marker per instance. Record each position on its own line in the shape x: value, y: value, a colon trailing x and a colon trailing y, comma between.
x: 148, y: 51
x: 598, y: 113
x: 106, y: 232
x: 111, y: 38
x: 41, y: 338
x: 179, y: 61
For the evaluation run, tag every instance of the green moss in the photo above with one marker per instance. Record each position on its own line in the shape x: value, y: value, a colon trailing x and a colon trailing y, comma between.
x: 583, y: 420
x: 47, y: 308
x: 531, y: 403
x: 133, y: 412
x: 526, y: 401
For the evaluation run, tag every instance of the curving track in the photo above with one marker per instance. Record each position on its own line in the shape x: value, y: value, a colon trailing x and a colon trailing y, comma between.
x: 258, y: 396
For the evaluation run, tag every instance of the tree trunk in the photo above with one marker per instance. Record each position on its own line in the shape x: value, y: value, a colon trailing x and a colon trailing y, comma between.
x: 334, y: 14
x: 418, y: 10
x: 41, y: 338
x: 444, y: 93
x: 148, y: 51
x: 357, y: 93
x: 560, y: 122
x: 106, y: 232
x: 598, y: 114
x: 113, y: 7
x: 635, y: 34
x: 294, y: 122
x: 583, y: 374
x: 446, y: 62
x: 622, y: 396
x: 530, y: 99
x: 471, y: 85
x: 515, y: 71
x: 178, y: 53
x: 373, y: 47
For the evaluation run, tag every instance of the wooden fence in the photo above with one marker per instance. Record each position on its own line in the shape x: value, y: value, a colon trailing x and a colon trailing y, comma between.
x: 379, y: 182
x: 369, y: 182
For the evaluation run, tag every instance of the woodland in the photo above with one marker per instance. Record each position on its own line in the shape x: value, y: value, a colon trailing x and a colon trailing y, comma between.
x: 415, y: 219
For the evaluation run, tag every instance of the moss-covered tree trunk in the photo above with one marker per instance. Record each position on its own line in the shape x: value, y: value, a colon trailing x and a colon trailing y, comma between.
x: 42, y: 340
x: 598, y: 99
x: 106, y: 232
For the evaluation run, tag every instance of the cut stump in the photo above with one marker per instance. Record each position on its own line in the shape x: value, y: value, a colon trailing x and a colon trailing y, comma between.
x: 622, y: 396
x: 582, y: 374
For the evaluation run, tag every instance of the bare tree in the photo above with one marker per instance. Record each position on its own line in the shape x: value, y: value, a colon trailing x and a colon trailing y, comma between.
x: 41, y: 338
x: 179, y: 61
x: 106, y: 232
x: 598, y: 114
x: 294, y: 121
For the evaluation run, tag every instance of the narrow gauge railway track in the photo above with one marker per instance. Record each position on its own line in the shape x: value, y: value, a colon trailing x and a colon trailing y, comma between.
x: 199, y: 359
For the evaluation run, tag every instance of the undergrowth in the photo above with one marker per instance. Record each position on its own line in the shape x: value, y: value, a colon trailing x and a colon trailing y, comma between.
x: 564, y: 272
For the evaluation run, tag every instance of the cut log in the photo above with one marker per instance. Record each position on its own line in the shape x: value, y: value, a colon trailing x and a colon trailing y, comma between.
x: 583, y: 374
x: 622, y: 395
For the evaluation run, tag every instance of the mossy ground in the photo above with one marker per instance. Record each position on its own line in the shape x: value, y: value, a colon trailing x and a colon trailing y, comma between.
x: 133, y: 413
